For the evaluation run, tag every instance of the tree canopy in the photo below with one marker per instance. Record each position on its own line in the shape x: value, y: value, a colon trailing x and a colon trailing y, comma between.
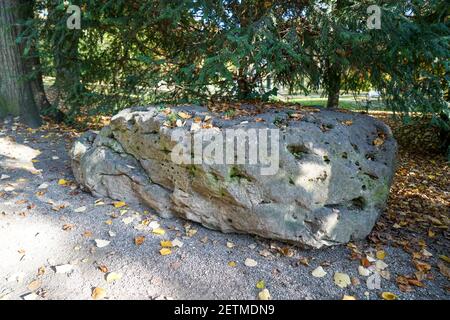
x: 135, y: 52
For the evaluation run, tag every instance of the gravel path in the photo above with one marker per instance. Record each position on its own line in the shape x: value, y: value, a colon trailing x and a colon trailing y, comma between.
x: 33, y: 241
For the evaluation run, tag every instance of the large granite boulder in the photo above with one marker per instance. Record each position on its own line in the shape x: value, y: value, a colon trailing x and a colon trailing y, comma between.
x: 323, y: 180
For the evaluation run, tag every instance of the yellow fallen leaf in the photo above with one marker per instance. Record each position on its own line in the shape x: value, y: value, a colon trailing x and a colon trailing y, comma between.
x: 119, y: 204
x: 389, y: 296
x: 98, y: 293
x: 342, y: 279
x: 445, y: 258
x: 62, y: 182
x: 165, y: 251
x: 381, y: 254
x: 41, y: 271
x: 348, y: 298
x: 166, y: 244
x: 184, y: 115
x: 113, y: 276
x: 108, y: 222
x: 260, y: 284
x: 159, y: 231
x: 264, y: 295
x: 232, y: 264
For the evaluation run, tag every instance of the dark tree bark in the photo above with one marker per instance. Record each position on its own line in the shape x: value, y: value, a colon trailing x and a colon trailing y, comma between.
x: 333, y: 79
x: 16, y: 93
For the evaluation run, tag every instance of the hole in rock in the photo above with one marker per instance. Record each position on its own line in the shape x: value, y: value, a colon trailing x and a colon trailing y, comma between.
x: 297, y: 150
x: 358, y: 203
x: 370, y: 156
x: 355, y: 147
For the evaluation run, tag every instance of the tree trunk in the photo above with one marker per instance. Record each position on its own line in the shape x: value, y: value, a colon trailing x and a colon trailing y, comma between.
x: 333, y: 84
x: 66, y: 59
x: 33, y: 65
x: 16, y: 95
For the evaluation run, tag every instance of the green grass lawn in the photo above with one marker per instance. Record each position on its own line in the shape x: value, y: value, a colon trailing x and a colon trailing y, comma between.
x: 345, y: 102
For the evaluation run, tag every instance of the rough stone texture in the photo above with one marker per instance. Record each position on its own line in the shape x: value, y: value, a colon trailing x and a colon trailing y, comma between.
x: 334, y: 177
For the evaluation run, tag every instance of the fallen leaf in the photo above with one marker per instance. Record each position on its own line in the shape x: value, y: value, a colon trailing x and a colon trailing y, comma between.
x: 232, y: 264
x: 103, y: 268
x: 177, y: 243
x: 119, y: 204
x: 159, y: 231
x: 444, y: 269
x: 98, y: 293
x: 380, y: 254
x: 165, y: 251
x: 422, y: 266
x: 139, y: 240
x: 80, y: 209
x: 166, y: 244
x: 342, y: 279
x: 68, y: 227
x: 348, y: 298
x: 250, y: 262
x: 230, y: 245
x: 62, y: 182
x: 318, y: 272
x: 264, y: 295
x: 128, y: 220
x: 380, y: 265
x: 363, y: 271
x: 389, y: 296
x: 445, y: 258
x: 43, y: 186
x: 184, y: 115
x: 102, y: 243
x: 260, y: 284
x: 415, y: 282
x: 34, y: 285
x: 113, y: 276
x: 374, y: 282
x: 87, y: 234
x: 304, y: 261
x: 64, y: 268
x: 41, y: 271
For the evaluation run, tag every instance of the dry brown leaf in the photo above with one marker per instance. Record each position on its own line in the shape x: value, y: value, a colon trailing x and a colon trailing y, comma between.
x: 139, y: 240
x: 98, y: 293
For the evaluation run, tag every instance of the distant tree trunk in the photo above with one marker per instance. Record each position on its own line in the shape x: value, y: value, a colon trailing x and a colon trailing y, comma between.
x: 16, y: 94
x: 33, y: 64
x: 68, y: 82
x: 333, y: 80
